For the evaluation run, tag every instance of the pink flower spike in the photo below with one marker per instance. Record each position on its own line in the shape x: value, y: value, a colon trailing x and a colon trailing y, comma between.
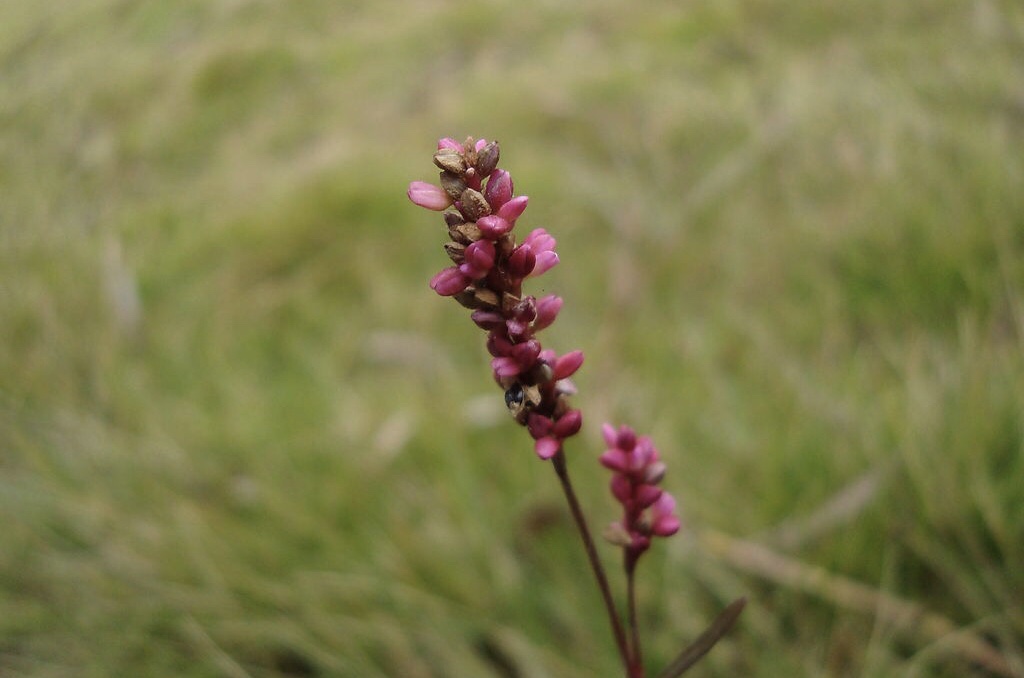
x: 448, y: 142
x: 514, y: 208
x: 547, y: 447
x: 493, y: 226
x: 480, y: 143
x: 449, y: 282
x: 429, y: 196
x: 567, y: 365
x: 547, y: 310
x: 499, y: 189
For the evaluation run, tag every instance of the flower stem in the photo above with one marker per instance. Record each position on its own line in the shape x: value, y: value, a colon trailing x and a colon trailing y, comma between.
x: 636, y: 661
x: 595, y: 563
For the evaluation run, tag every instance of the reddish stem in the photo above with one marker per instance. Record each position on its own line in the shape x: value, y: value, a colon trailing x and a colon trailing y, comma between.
x: 636, y: 660
x: 595, y: 563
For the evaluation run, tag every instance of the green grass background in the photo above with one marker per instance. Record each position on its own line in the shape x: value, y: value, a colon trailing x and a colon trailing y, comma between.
x: 240, y: 436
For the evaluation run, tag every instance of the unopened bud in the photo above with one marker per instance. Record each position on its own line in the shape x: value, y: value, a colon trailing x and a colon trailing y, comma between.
x: 487, y: 159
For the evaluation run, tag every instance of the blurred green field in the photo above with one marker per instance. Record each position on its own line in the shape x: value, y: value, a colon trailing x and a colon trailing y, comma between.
x: 240, y: 436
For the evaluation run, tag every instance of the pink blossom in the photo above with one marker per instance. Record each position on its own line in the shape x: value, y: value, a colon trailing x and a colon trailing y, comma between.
x: 547, y: 310
x: 568, y: 364
x: 664, y: 521
x: 488, y: 277
x: 547, y: 447
x: 499, y: 189
x: 493, y: 226
x: 514, y: 208
x: 479, y: 258
x: 648, y: 511
x: 543, y: 246
x: 449, y: 282
x: 522, y: 261
x: 449, y: 143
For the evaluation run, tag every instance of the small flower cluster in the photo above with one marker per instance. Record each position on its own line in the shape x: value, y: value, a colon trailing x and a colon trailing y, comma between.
x: 487, y: 276
x: 648, y: 511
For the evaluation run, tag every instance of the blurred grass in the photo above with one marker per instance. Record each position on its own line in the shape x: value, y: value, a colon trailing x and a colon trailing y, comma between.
x: 241, y: 437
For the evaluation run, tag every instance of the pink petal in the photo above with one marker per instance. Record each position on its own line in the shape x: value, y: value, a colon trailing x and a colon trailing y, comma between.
x: 429, y: 196
x: 547, y: 447
x: 547, y: 310
x: 545, y: 262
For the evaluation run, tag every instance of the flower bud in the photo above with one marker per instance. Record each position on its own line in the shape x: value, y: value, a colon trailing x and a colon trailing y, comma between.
x: 645, y: 495
x: 547, y: 310
x: 522, y: 261
x: 449, y: 282
x: 538, y: 425
x: 499, y: 188
x: 514, y: 208
x: 449, y: 143
x: 526, y: 353
x: 487, y: 158
x: 487, y: 320
x: 505, y: 367
x: 569, y: 424
x: 493, y: 226
x: 479, y: 258
x: 566, y: 365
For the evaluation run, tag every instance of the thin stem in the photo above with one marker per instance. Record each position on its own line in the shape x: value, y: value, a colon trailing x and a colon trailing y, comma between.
x: 595, y: 563
x: 636, y: 661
